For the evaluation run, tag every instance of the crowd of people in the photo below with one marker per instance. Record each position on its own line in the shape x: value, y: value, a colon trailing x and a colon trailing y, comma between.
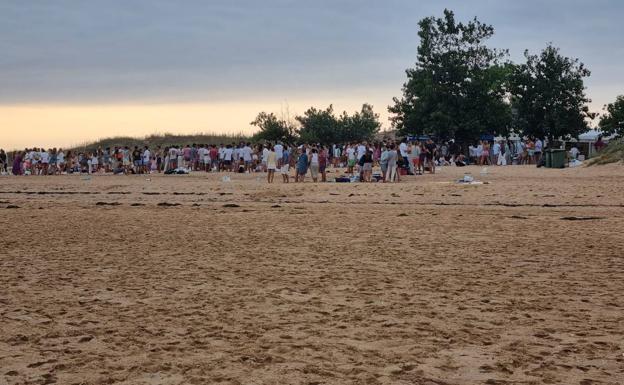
x: 392, y: 158
x: 506, y: 152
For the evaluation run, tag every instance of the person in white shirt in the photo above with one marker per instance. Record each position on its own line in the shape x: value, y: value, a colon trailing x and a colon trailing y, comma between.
x: 247, y: 157
x: 147, y: 160
x: 404, y: 153
x: 361, y: 151
x: 60, y: 161
x: 93, y: 163
x: 574, y: 152
x: 496, y: 152
x: 265, y: 155
x: 279, y: 152
x: 228, y: 152
x: 44, y: 157
x: 236, y: 155
x: 350, y: 159
x: 519, y: 150
x: 538, y: 150
x: 337, y: 155
x: 204, y: 159
x: 173, y: 158
x: 221, y: 157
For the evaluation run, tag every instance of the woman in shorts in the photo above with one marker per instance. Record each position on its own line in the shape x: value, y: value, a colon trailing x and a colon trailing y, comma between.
x: 485, y: 154
x: 415, y: 155
x: 271, y: 160
x: 530, y: 151
x: 314, y: 164
x: 367, y: 166
x: 284, y: 170
x: 323, y: 164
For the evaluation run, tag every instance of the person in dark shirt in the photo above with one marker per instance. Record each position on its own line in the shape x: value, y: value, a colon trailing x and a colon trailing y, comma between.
x: 3, y: 161
x: 367, y: 166
x: 137, y: 159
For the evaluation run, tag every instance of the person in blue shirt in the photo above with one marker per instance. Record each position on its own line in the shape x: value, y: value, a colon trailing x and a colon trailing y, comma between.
x: 302, y: 165
x: 285, y: 168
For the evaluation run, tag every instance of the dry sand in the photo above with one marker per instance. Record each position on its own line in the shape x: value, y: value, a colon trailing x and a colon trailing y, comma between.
x: 423, y: 282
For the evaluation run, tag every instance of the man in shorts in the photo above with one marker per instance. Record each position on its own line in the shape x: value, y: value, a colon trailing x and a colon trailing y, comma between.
x: 285, y: 168
x: 137, y: 160
x: 351, y: 159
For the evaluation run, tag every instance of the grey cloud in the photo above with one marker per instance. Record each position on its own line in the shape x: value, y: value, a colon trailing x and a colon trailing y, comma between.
x: 137, y: 50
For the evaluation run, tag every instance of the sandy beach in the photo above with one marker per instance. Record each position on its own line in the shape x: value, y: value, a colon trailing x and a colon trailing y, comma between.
x: 192, y: 280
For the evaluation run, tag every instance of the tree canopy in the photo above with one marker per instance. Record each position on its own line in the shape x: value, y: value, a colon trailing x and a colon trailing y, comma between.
x: 319, y: 126
x: 548, y: 95
x: 457, y: 88
x: 612, y: 123
x: 272, y: 129
x: 460, y: 88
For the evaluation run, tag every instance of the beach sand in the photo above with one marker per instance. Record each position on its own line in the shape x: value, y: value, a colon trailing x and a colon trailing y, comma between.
x: 423, y: 282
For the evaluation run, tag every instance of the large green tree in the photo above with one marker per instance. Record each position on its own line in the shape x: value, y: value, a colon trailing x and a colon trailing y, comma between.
x: 612, y: 123
x: 457, y: 87
x: 548, y: 96
x: 362, y: 125
x: 322, y: 126
x: 273, y: 129
x: 318, y: 126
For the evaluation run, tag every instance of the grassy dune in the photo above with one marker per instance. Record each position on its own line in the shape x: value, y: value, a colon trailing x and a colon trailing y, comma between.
x: 162, y: 140
x: 613, y: 153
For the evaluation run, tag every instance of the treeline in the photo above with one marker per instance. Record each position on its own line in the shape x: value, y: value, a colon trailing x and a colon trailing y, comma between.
x: 318, y: 126
x: 460, y: 88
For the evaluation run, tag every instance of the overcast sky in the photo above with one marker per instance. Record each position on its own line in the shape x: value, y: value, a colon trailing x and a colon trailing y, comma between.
x: 139, y: 52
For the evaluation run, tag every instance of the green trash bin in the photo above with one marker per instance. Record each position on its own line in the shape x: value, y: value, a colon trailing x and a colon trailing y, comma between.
x: 548, y: 158
x: 557, y: 158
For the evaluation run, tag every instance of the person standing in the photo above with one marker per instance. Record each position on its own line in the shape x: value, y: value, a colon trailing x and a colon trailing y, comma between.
x: 531, y: 151
x: 392, y: 164
x: 265, y: 153
x: 350, y: 159
x: 271, y: 164
x: 403, y: 153
x: 323, y: 160
x: 146, y: 163
x: 17, y: 163
x: 539, y: 144
x: 415, y: 155
x: 431, y: 155
x: 247, y: 157
x: 485, y: 154
x: 367, y: 167
x: 3, y: 161
x: 279, y: 152
x: 496, y: 153
x: 44, y: 157
x: 383, y: 162
x: 228, y: 154
x: 337, y: 154
x: 314, y: 164
x: 302, y: 165
x: 285, y: 168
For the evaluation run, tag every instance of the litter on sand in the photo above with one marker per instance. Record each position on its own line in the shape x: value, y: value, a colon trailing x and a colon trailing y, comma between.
x: 470, y: 180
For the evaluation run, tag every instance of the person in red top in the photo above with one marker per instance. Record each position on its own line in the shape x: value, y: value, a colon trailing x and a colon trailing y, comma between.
x: 600, y: 144
x: 214, y: 157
